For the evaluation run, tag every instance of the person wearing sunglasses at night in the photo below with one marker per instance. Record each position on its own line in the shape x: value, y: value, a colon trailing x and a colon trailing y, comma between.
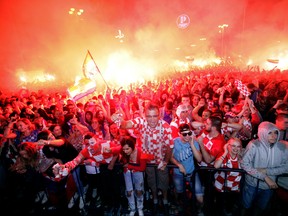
x: 186, y: 150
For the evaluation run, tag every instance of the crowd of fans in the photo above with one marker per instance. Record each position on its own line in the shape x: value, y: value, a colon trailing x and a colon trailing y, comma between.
x: 145, y: 140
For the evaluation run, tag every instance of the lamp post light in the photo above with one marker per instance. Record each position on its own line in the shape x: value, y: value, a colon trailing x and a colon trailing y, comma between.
x: 222, y: 31
x: 73, y: 11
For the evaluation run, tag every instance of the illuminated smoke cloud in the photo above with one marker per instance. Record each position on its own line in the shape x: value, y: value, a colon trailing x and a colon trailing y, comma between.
x: 44, y: 37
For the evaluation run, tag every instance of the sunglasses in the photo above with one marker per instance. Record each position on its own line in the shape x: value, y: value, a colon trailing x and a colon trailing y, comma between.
x: 185, y: 134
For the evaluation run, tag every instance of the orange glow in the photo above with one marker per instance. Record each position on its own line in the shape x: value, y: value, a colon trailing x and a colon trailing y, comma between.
x: 123, y: 69
x: 23, y: 79
x: 48, y: 37
x: 37, y: 76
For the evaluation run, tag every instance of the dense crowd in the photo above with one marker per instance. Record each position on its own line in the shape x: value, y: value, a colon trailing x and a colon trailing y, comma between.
x: 149, y: 139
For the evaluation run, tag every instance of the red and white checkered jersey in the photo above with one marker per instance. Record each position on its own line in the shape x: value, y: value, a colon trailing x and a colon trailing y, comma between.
x: 175, y: 125
x: 213, y: 145
x: 241, y: 134
x: 99, y: 135
x: 226, y: 131
x: 98, y: 155
x: 154, y: 141
x: 232, y: 179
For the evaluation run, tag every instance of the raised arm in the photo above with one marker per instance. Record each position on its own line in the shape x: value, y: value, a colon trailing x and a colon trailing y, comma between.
x: 206, y: 156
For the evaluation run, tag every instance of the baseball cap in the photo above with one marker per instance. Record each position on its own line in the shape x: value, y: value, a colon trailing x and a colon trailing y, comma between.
x: 184, y: 128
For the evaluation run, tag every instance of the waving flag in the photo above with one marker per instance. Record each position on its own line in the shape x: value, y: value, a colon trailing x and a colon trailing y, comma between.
x: 89, y: 67
x: 87, y: 84
x: 82, y: 88
x: 242, y: 88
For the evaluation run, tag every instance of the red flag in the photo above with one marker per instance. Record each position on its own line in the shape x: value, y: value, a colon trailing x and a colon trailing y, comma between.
x: 89, y: 67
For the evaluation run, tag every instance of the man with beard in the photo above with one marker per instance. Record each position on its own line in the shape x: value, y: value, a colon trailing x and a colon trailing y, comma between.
x: 211, y: 143
x: 211, y: 140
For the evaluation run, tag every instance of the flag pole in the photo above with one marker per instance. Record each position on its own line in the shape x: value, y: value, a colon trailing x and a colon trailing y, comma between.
x: 98, y: 68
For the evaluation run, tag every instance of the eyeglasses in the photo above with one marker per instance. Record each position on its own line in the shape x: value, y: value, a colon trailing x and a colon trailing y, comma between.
x: 185, y: 134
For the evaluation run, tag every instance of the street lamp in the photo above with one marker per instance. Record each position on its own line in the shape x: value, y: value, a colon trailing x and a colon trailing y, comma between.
x: 73, y: 11
x: 222, y: 31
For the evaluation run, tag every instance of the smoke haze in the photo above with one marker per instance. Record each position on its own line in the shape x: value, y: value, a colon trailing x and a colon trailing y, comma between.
x: 40, y: 37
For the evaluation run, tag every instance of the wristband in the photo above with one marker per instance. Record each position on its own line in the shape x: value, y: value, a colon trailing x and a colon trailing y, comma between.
x: 222, y: 157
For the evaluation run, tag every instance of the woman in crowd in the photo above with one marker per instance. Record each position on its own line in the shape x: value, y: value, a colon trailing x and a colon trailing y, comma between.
x: 17, y: 131
x: 228, y: 184
x: 134, y: 168
x: 96, y: 129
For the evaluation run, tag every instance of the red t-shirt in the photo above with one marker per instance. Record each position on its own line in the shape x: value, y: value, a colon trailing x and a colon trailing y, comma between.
x: 214, y: 146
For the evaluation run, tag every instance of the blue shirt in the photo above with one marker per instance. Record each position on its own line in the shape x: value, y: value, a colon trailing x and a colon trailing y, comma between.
x: 182, y: 152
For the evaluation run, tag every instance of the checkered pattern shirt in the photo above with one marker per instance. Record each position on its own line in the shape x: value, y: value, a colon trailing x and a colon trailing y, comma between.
x: 214, y: 145
x: 233, y: 179
x: 31, y: 138
x: 12, y: 152
x: 226, y: 131
x: 99, y: 156
x: 99, y: 135
x: 175, y: 125
x: 248, y: 125
x: 154, y: 141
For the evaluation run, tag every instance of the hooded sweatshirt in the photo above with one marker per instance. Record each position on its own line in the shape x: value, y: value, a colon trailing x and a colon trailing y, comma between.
x: 260, y: 153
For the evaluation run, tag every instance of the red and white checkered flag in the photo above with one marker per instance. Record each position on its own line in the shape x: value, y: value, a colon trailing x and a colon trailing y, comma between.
x: 242, y: 88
